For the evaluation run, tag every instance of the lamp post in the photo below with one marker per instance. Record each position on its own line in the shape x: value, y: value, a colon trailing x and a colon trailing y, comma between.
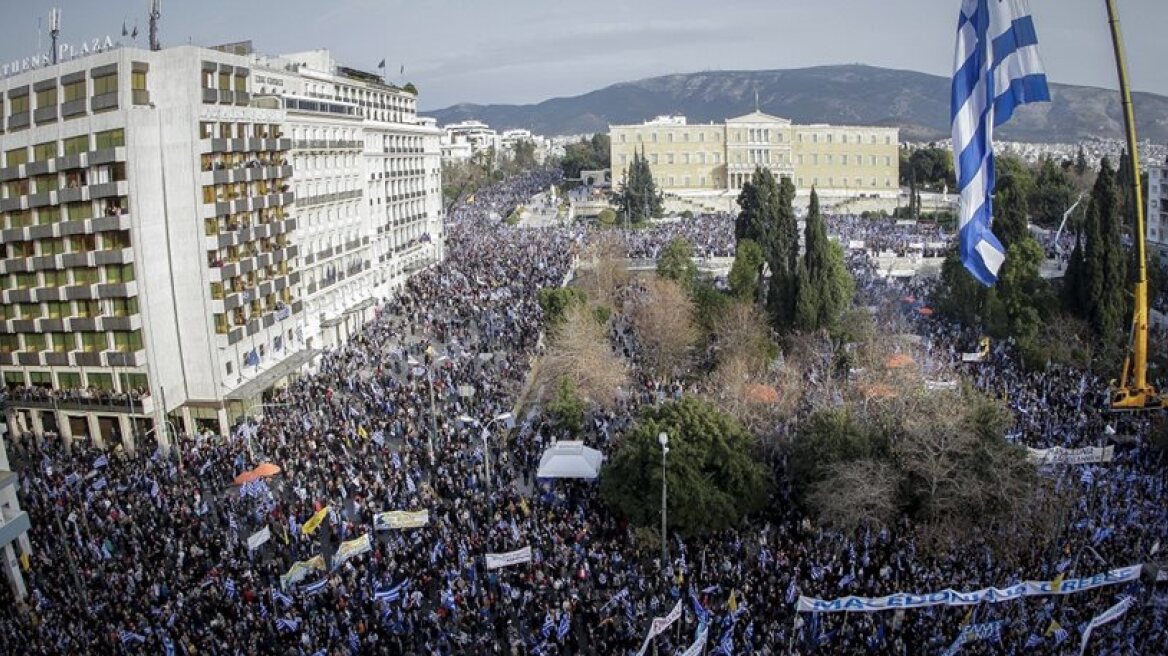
x: 433, y: 417
x: 486, y: 450
x: 663, y: 439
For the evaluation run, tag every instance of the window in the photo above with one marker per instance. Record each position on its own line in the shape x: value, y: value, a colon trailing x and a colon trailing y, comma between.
x: 34, y: 342
x: 138, y: 81
x: 887, y: 160
x: 61, y: 342
x: 622, y: 137
x: 88, y: 309
x: 46, y: 183
x: 29, y: 310
x: 10, y: 344
x: 74, y: 91
x: 209, y: 194
x: 85, y: 276
x: 105, y: 84
x: 206, y: 130
x: 240, y: 83
x: 101, y: 381
x: 55, y: 278
x: 843, y: 160
x: 208, y: 79
x: 16, y: 156
x: 669, y: 137
x: 46, y: 98
x: 47, y: 150
x: 19, y: 105
x: 224, y: 81
x: 124, y: 307
x: 80, y: 211
x: 624, y: 158
x: 67, y: 380
x: 128, y: 342
x: 110, y: 138
x: 119, y: 273
x: 26, y: 280
x: 77, y: 145
x: 48, y: 215
x: 669, y: 158
x: 93, y: 343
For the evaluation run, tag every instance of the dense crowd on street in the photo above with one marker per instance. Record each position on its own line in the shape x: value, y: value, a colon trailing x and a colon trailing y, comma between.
x: 710, y: 235
x: 147, y: 552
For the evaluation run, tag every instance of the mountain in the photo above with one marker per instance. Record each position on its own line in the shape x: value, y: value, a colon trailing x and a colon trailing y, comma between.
x: 917, y: 103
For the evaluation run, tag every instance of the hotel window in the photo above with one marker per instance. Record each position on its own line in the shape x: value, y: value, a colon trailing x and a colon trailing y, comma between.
x: 685, y: 136
x: 101, y: 381
x: 93, y: 343
x: 56, y: 310
x: 47, y: 150
x: 221, y: 326
x: 887, y: 182
x: 888, y: 140
x: 74, y: 91
x: 815, y: 138
x: 77, y: 145
x: 110, y: 139
x: 55, y: 278
x: 88, y: 309
x: 118, y: 273
x: 34, y: 342
x: 224, y: 81
x: 85, y: 276
x: 48, y: 215
x: 872, y: 160
x: 138, y: 81
x: 717, y: 158
x: 17, y: 188
x: 46, y: 183
x: 79, y: 211
x: 240, y: 83
x: 25, y: 280
x: 29, y: 310
x: 62, y: 342
x: 10, y: 344
x: 843, y: 138
x: 19, y: 105
x: 873, y: 182
x: 105, y: 84
x: 128, y: 342
x: 685, y: 158
x: 828, y: 159
x: 46, y: 98
x: 16, y: 156
x: 859, y: 182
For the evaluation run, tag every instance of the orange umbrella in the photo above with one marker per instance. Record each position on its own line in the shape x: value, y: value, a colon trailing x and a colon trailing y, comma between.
x: 246, y: 477
x: 267, y: 469
x: 926, y: 311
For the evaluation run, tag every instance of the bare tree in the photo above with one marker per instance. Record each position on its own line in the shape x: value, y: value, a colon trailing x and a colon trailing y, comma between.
x: 856, y: 493
x: 663, y: 322
x: 604, y: 267
x: 579, y: 350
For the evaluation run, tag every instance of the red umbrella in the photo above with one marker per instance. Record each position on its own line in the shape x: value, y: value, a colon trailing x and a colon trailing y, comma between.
x: 266, y: 469
x: 246, y: 477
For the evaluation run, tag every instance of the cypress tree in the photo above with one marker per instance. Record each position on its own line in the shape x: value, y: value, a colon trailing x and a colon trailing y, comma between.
x: 1094, y: 286
x: 1080, y: 161
x: 824, y: 286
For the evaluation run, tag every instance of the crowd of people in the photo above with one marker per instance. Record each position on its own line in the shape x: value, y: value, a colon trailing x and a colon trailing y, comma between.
x: 710, y: 235
x: 148, y: 552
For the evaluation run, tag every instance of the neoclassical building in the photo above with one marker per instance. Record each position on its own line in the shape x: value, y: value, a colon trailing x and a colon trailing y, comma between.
x: 716, y: 159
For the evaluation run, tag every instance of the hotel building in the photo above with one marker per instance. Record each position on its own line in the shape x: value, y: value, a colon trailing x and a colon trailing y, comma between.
x: 181, y: 230
x: 712, y: 161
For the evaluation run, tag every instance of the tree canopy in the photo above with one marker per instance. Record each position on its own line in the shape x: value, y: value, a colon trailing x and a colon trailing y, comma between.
x: 1094, y: 284
x: 675, y: 262
x: 585, y: 155
x: 824, y: 286
x: 746, y: 272
x: 638, y: 197
x: 713, y: 479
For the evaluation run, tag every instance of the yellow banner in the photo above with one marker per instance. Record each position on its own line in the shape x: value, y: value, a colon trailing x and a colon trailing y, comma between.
x: 353, y: 548
x: 400, y: 519
x: 300, y: 569
x: 314, y: 522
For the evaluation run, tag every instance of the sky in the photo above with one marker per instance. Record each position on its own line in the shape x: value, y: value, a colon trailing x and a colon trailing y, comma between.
x: 524, y: 51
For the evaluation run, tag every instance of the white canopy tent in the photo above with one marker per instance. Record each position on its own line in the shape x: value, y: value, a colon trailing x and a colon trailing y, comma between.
x: 569, y: 459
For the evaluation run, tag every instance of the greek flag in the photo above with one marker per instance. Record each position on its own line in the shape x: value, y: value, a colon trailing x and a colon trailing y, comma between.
x: 291, y: 624
x: 229, y: 587
x: 354, y: 640
x: 565, y: 626
x: 1088, y: 476
x: 167, y: 644
x: 103, y: 461
x: 281, y: 597
x: 129, y: 636
x: 314, y: 588
x: 549, y: 625
x: 996, y: 69
x: 1033, y: 641
x: 700, y: 611
x: 792, y: 592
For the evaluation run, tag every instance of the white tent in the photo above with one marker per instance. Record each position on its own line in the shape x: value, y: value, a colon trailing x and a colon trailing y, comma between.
x: 569, y: 459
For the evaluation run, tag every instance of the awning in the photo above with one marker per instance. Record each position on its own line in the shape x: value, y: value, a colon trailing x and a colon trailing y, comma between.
x: 266, y: 379
x: 570, y: 459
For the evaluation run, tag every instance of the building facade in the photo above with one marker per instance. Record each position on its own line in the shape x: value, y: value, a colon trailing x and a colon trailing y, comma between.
x: 716, y: 159
x: 156, y: 271
x: 14, y: 524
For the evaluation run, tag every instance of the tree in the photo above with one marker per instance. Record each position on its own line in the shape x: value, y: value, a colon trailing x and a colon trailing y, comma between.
x: 410, y: 88
x: 603, y: 267
x: 606, y: 218
x: 1011, y: 206
x: 745, y: 273
x: 523, y: 155
x: 857, y: 493
x: 676, y: 263
x: 638, y: 197
x: 555, y: 301
x: 663, y: 322
x: 713, y: 479
x: 579, y: 352
x: 1080, y: 161
x: 930, y: 167
x: 585, y: 155
x: 1054, y: 192
x: 824, y: 287
x: 1094, y: 285
x: 567, y: 408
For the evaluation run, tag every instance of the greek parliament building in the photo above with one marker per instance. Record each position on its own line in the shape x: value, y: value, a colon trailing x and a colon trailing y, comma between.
x: 710, y: 162
x: 182, y: 230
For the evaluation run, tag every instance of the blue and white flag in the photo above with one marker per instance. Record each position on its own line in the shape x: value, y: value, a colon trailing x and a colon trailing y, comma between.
x: 229, y: 588
x: 281, y: 597
x: 565, y: 626
x: 101, y: 462
x: 316, y: 588
x: 129, y: 636
x: 391, y: 594
x: 996, y: 69
x: 289, y: 624
x: 549, y: 625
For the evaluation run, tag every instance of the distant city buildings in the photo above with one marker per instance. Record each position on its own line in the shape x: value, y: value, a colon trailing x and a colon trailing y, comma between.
x: 715, y: 160
x: 461, y: 141
x: 182, y: 230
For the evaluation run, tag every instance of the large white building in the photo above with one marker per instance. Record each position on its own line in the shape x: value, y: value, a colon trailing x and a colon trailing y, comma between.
x: 183, y: 229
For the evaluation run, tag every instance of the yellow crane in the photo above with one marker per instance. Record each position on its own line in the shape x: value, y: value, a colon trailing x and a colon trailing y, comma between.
x: 1133, y: 391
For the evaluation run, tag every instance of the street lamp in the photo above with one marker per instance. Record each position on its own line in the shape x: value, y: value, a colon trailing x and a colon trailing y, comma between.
x: 433, y: 418
x: 486, y: 450
x: 663, y: 439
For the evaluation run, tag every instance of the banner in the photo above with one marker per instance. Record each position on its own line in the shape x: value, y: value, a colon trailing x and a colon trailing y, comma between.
x: 385, y: 521
x: 1109, y: 615
x: 495, y: 561
x: 313, y: 522
x: 660, y: 625
x: 258, y: 538
x: 1060, y: 456
x: 699, y: 644
x: 955, y: 598
x: 353, y: 548
x: 300, y: 569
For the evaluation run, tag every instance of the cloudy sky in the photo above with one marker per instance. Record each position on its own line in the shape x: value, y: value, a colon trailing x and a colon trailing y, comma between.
x: 519, y: 51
